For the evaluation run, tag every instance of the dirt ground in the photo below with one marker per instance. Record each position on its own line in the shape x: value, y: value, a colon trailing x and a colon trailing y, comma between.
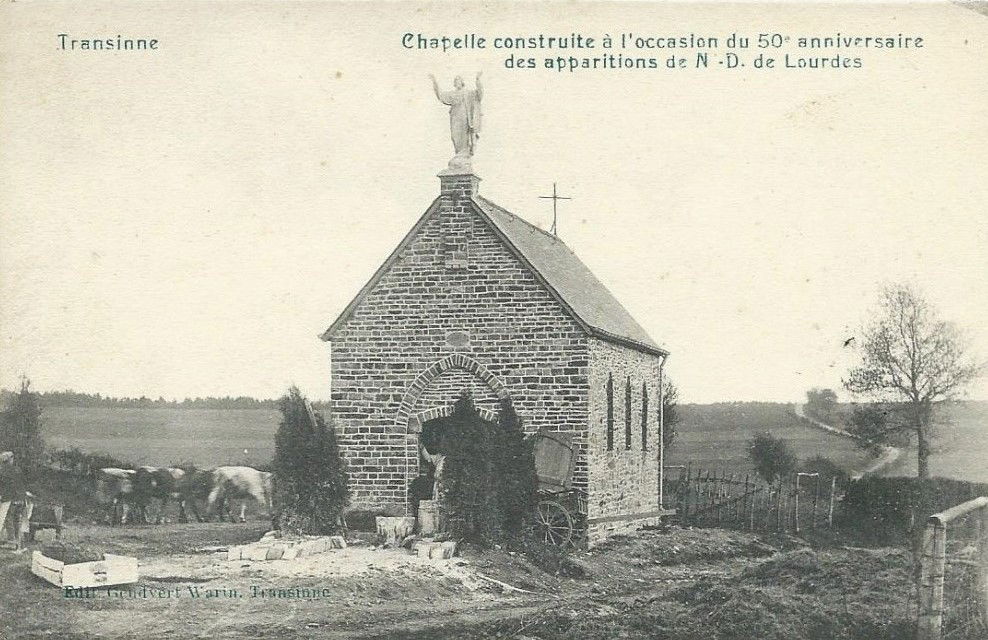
x: 677, y: 583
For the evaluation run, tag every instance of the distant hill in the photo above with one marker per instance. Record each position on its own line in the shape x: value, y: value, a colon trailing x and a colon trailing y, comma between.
x: 715, y: 436
x: 212, y: 431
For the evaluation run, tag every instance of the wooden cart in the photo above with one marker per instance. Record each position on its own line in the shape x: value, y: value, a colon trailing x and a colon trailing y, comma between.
x: 562, y: 509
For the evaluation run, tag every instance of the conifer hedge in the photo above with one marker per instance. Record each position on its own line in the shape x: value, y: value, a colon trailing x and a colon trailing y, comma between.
x: 310, y: 482
x: 517, y: 480
x: 488, y: 481
x: 20, y: 433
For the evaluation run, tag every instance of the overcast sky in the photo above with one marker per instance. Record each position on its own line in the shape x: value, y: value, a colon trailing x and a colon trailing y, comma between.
x: 185, y: 222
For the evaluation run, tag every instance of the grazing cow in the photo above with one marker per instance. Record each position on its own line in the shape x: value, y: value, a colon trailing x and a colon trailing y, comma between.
x: 193, y: 488
x: 239, y: 483
x: 169, y: 483
x: 115, y: 490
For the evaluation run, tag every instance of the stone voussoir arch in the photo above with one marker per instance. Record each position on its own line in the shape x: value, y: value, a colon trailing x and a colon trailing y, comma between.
x: 433, y: 371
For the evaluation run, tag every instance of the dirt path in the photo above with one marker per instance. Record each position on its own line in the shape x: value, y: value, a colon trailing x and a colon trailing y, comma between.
x: 188, y: 589
x: 886, y: 459
x: 800, y: 411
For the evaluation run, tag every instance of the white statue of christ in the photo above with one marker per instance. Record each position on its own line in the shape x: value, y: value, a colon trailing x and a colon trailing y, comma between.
x: 464, y: 118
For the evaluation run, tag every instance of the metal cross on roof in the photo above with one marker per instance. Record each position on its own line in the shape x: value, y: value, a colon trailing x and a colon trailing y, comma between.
x: 555, y: 198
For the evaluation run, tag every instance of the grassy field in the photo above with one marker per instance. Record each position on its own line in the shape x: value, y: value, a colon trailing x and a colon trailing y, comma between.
x: 715, y: 436
x: 709, y: 435
x: 158, y: 437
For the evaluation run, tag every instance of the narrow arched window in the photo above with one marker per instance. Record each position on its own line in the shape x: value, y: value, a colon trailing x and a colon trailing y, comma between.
x: 644, y: 416
x: 627, y: 413
x: 610, y: 412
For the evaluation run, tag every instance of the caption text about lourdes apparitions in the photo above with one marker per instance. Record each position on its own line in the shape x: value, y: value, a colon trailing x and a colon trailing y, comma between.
x: 631, y: 51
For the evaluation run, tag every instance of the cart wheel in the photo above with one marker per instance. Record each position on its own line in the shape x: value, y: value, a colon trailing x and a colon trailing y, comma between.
x: 553, y: 523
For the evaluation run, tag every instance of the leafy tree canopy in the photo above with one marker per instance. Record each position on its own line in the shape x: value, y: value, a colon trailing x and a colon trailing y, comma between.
x: 772, y: 457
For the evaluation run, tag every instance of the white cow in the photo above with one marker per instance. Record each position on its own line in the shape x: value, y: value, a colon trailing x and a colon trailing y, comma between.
x: 239, y: 483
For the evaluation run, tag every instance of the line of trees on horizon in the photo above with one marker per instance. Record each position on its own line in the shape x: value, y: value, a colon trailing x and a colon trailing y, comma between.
x: 69, y: 398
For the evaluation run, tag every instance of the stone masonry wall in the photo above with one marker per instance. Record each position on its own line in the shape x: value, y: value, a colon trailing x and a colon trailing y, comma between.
x: 624, y: 480
x: 456, y: 295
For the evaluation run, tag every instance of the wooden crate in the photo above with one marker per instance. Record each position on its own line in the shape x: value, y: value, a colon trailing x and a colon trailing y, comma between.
x: 111, y: 570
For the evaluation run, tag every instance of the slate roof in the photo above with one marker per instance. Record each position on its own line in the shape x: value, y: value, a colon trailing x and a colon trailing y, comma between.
x: 564, y: 274
x: 586, y: 296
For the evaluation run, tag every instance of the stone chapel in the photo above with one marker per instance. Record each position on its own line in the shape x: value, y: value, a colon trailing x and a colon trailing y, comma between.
x: 476, y: 298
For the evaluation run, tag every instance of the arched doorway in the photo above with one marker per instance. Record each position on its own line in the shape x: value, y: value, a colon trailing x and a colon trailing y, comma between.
x: 430, y: 399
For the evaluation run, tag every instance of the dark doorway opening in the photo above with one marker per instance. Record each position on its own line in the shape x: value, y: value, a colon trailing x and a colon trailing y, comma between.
x: 432, y: 449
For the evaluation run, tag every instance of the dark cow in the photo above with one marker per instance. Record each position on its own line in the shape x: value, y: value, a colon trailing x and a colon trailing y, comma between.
x: 239, y: 483
x: 170, y: 483
x: 115, y: 491
x: 193, y: 489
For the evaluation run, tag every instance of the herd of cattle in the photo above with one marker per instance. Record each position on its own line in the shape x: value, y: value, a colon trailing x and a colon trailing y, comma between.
x: 123, y: 492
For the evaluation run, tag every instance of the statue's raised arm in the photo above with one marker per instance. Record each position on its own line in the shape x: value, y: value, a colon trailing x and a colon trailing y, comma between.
x: 442, y: 96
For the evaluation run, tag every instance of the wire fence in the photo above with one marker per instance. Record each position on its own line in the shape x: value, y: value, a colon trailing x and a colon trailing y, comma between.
x: 712, y: 498
x: 953, y: 582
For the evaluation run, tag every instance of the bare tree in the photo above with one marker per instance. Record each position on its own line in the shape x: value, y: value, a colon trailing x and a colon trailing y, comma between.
x: 910, y: 356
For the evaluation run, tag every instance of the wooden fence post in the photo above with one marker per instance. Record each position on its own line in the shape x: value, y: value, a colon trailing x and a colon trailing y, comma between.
x: 745, y: 501
x: 684, y: 495
x: 755, y: 498
x: 768, y: 507
x: 697, y: 495
x: 796, y: 503
x: 778, y: 510
x: 754, y: 503
x: 983, y: 560
x: 830, y: 511
x: 790, y: 498
x: 925, y: 596
x: 736, y: 504
x: 816, y: 498
x: 933, y: 562
x: 718, y: 490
